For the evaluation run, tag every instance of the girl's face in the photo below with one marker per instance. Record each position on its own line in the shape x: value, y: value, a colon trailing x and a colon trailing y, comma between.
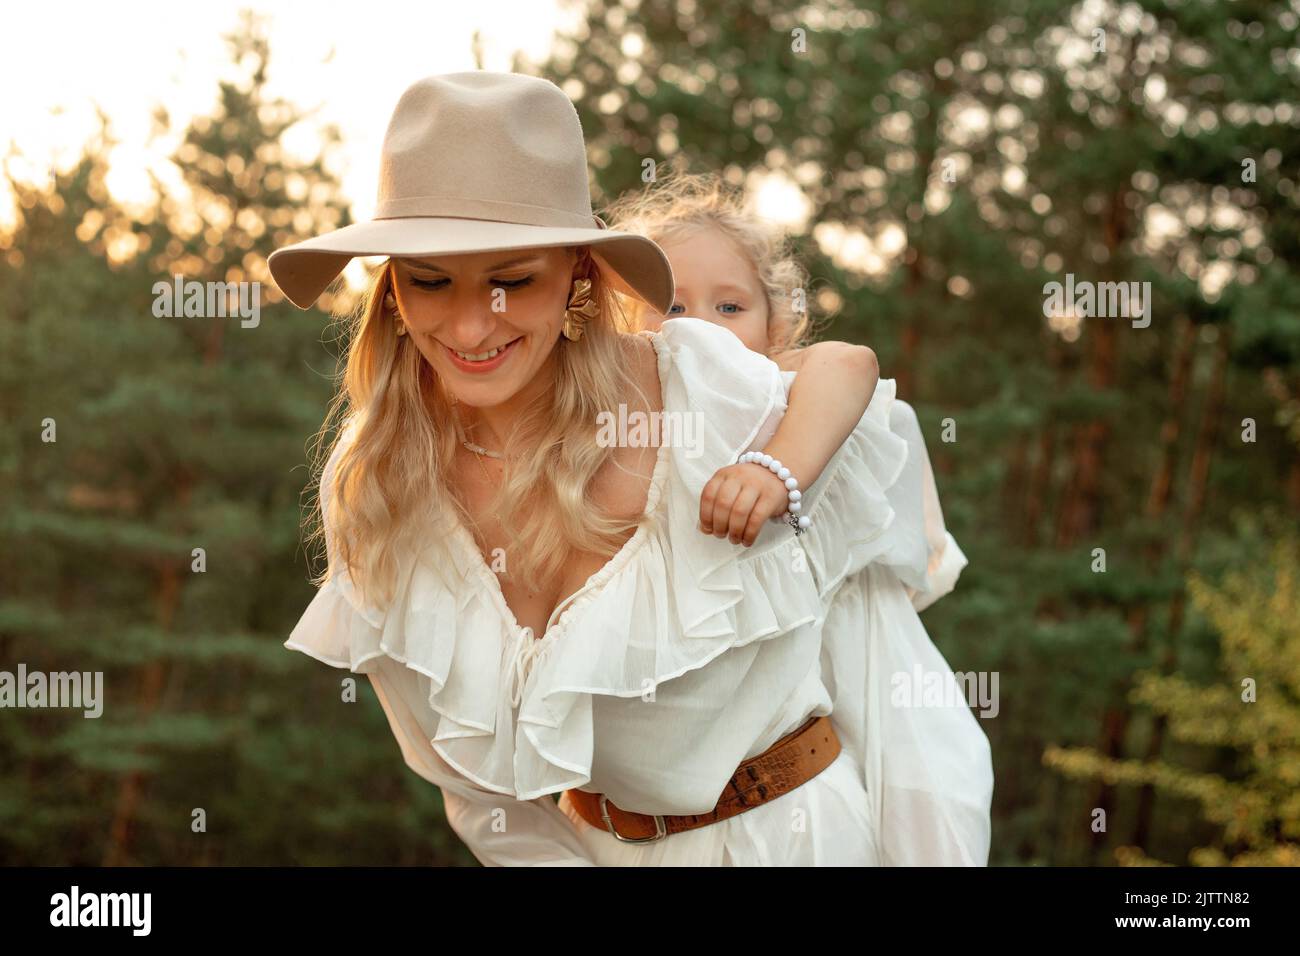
x: 487, y: 321
x: 716, y: 282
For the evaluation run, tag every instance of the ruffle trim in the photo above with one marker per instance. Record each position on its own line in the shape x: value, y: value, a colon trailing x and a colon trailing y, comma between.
x: 675, y: 608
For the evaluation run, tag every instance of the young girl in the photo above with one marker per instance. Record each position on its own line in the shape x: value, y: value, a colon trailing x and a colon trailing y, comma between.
x: 731, y: 272
x: 734, y: 272
x: 927, y: 770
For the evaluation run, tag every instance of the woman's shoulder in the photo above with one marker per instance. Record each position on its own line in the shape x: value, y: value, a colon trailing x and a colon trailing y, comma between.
x: 642, y: 361
x: 707, y: 373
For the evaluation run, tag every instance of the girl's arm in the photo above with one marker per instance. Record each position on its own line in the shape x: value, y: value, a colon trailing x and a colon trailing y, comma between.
x: 827, y: 400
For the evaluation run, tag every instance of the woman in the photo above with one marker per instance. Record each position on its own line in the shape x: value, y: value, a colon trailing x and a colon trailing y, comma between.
x: 538, y: 612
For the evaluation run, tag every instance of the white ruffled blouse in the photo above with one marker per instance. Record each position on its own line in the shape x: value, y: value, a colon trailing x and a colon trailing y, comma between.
x: 685, y: 654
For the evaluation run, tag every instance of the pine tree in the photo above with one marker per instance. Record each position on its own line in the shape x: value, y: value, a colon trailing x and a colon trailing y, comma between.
x: 1253, y: 711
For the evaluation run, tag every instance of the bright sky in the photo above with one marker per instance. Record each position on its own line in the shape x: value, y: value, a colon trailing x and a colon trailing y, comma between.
x: 61, y: 60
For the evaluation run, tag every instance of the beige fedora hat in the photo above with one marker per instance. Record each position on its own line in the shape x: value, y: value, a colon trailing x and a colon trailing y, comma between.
x: 479, y: 162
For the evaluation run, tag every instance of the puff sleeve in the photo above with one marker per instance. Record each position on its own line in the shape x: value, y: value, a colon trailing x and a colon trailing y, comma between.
x: 916, y: 494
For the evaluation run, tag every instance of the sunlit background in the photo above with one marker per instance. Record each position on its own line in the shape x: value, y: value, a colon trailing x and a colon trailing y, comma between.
x: 1128, y: 497
x: 345, y: 62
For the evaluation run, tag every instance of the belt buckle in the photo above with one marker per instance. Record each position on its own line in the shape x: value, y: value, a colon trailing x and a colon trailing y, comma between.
x: 661, y: 830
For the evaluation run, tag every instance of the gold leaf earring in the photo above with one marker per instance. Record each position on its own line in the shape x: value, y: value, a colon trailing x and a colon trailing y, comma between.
x: 580, y: 309
x: 391, y: 304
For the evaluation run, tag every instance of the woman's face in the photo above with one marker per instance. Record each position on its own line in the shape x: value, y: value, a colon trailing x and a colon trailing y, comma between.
x: 487, y: 321
x: 716, y: 282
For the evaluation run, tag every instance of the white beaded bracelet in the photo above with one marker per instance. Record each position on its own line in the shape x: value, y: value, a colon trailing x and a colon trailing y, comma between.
x: 799, y: 522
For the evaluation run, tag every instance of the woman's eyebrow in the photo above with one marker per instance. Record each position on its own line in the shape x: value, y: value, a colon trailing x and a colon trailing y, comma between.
x: 517, y: 260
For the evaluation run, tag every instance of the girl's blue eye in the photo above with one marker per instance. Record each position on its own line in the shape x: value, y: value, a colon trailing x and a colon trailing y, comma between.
x: 675, y: 307
x: 724, y: 307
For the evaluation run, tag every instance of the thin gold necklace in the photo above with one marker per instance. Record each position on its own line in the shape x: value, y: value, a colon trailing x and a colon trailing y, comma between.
x: 487, y: 476
x: 477, y: 531
x: 479, y: 449
x: 476, y: 449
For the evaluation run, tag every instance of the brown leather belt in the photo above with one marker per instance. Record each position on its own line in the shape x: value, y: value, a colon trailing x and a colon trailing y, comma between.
x: 790, y: 762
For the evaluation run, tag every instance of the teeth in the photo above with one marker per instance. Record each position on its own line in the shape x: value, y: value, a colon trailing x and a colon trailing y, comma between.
x: 481, y: 356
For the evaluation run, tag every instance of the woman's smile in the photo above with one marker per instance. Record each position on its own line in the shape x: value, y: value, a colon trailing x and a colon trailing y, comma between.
x: 484, y: 361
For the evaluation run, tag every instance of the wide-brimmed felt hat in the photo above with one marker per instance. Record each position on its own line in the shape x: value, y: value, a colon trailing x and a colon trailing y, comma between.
x: 479, y: 162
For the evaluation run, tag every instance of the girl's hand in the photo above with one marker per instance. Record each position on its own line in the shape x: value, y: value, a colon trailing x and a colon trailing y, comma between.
x: 738, y: 499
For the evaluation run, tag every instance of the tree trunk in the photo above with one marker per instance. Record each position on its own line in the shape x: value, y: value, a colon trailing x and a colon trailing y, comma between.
x: 1198, y: 485
x: 153, y: 677
x: 151, y: 685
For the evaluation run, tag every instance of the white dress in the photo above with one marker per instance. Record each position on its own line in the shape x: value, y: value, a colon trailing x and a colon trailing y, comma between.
x: 685, y: 654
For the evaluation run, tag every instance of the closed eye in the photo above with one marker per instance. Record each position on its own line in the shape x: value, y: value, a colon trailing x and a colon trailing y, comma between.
x: 512, y: 283
x: 493, y: 283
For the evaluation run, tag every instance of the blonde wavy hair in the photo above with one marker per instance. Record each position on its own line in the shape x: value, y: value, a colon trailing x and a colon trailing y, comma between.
x: 390, y: 484
x: 679, y: 203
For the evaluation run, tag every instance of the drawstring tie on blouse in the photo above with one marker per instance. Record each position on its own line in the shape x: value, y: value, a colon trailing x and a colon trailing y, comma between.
x: 526, y: 652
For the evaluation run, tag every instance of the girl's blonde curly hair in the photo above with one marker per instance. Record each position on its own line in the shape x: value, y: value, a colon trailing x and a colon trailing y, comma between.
x: 680, y: 203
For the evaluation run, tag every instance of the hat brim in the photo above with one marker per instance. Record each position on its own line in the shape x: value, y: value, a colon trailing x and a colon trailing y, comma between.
x: 637, y: 266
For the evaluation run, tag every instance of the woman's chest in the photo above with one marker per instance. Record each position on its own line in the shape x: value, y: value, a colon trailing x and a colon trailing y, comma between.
x: 533, y: 608
x: 619, y: 491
